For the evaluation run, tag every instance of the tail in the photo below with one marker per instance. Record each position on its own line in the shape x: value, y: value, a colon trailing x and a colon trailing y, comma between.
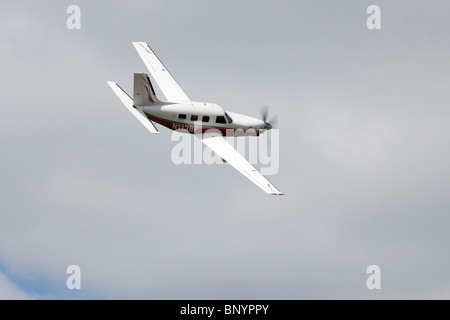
x: 143, y: 92
x: 138, y: 113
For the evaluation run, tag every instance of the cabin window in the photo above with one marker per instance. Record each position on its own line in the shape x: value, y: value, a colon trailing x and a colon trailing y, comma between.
x: 194, y: 117
x: 205, y: 119
x: 228, y: 118
x: 220, y: 119
x: 182, y: 116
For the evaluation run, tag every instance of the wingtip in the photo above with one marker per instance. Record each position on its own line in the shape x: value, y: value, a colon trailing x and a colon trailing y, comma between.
x: 138, y: 43
x: 112, y: 84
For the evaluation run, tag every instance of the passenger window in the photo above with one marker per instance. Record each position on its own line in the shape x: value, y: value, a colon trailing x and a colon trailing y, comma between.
x: 182, y: 116
x: 205, y: 119
x: 194, y: 118
x: 220, y: 119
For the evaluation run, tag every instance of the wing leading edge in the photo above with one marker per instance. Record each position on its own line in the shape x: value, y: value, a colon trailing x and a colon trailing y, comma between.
x: 168, y: 85
x: 219, y: 145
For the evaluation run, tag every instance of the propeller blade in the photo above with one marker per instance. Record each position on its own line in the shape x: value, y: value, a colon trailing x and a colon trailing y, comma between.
x: 264, y: 110
x: 274, y: 121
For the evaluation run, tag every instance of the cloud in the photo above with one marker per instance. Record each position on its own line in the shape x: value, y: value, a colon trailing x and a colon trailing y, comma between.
x: 10, y: 291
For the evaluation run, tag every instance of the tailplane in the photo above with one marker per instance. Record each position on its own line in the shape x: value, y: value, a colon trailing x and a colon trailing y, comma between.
x: 143, y: 92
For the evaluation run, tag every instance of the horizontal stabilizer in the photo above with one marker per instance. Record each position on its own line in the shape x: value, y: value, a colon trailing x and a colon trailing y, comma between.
x: 128, y: 102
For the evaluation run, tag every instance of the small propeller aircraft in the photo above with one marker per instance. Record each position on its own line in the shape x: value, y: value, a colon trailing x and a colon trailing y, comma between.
x: 178, y: 112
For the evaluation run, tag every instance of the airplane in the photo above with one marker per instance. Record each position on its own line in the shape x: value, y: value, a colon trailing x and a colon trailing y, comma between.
x: 178, y: 112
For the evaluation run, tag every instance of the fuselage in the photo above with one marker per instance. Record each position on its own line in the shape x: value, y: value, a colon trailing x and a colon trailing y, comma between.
x: 200, y: 117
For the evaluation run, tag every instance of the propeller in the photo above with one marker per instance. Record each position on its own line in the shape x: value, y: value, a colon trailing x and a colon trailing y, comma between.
x: 264, y: 110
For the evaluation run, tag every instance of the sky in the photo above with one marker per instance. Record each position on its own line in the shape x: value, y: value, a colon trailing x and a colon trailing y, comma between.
x: 363, y: 118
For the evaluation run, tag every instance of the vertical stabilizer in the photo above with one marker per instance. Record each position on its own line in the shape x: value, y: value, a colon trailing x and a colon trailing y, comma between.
x: 143, y: 92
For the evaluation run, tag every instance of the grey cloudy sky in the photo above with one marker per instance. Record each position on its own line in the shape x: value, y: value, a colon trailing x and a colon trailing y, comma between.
x: 364, y: 154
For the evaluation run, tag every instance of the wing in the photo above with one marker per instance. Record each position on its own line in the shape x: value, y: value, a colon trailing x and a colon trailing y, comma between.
x: 220, y: 146
x: 128, y: 102
x: 169, y: 87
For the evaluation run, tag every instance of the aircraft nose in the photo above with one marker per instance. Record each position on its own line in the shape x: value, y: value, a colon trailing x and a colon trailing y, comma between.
x: 267, y: 126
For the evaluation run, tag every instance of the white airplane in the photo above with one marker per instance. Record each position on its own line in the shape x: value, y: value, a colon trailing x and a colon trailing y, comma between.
x: 180, y: 113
